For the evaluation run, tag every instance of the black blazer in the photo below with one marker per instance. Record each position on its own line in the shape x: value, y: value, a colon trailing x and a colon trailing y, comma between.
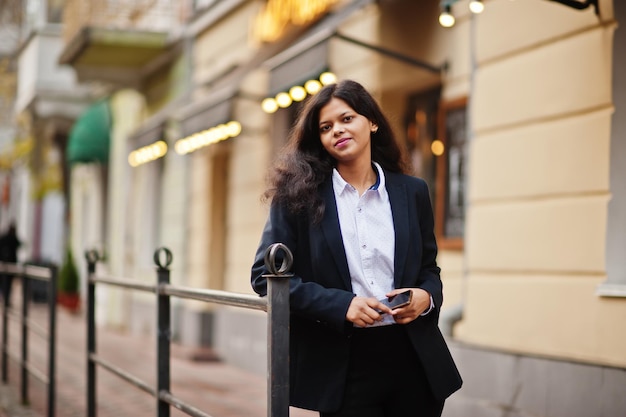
x: 321, y: 292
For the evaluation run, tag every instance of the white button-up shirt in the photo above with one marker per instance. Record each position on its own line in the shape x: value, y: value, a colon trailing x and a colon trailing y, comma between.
x: 368, y: 236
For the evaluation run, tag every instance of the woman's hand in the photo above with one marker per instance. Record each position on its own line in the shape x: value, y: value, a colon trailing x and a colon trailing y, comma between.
x: 363, y: 311
x: 420, y: 302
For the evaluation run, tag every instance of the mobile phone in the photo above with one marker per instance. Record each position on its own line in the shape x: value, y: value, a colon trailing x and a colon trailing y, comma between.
x: 398, y: 300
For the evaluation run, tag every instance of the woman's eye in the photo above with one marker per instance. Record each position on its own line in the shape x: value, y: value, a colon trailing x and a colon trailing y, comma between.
x: 348, y: 118
x: 324, y: 128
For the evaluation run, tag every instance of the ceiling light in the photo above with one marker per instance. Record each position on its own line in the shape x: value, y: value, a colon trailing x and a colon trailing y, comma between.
x: 476, y: 6
x: 445, y: 18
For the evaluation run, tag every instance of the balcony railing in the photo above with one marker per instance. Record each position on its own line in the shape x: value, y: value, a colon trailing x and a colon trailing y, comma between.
x: 144, y: 15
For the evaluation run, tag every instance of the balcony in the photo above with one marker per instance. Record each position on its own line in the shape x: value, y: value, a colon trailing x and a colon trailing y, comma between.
x: 119, y: 42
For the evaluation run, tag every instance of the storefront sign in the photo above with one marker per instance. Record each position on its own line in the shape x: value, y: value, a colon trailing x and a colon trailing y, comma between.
x: 277, y: 15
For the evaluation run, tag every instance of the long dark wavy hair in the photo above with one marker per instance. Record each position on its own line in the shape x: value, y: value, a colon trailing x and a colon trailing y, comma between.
x: 304, y: 164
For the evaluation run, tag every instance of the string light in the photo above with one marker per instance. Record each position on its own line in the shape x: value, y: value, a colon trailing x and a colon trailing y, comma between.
x: 328, y: 78
x: 312, y: 86
x: 283, y: 100
x: 297, y: 93
x: 269, y: 105
x: 207, y: 137
x: 147, y: 153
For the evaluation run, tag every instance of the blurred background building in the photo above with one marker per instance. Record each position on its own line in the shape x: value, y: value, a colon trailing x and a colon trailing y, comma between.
x: 129, y: 125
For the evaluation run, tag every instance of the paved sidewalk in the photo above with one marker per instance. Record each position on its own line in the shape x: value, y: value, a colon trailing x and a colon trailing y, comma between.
x: 216, y: 388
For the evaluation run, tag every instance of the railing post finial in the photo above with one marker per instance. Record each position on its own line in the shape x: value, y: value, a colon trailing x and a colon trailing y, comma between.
x: 92, y: 256
x: 163, y: 257
x: 270, y: 259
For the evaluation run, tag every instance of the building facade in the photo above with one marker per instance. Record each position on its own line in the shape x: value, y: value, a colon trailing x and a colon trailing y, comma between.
x: 511, y: 115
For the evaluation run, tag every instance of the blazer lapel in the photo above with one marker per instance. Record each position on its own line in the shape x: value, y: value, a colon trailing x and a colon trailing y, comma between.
x: 332, y: 232
x: 400, y: 213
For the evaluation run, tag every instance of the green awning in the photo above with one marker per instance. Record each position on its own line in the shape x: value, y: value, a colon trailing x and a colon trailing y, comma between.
x: 90, y: 136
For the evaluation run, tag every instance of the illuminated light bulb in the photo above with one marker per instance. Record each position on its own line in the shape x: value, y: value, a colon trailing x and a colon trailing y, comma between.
x: 195, y: 141
x: 445, y: 18
x: 181, y: 147
x: 312, y: 86
x: 233, y: 128
x: 269, y: 105
x: 476, y: 6
x: 328, y: 78
x: 437, y: 147
x: 283, y: 100
x: 132, y: 159
x: 161, y: 147
x: 297, y: 93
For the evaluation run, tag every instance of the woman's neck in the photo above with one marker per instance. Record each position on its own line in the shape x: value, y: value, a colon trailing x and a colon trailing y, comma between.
x: 361, y: 176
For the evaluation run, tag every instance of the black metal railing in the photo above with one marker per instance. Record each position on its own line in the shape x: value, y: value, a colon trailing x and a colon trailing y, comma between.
x: 28, y: 274
x: 276, y: 304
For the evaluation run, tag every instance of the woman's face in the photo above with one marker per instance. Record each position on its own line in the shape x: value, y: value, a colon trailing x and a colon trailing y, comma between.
x: 344, y: 133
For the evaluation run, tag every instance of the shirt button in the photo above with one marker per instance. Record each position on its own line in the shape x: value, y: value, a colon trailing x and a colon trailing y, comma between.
x: 358, y: 209
x: 364, y: 246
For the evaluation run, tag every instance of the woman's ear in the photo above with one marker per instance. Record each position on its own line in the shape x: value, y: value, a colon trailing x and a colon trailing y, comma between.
x: 373, y: 127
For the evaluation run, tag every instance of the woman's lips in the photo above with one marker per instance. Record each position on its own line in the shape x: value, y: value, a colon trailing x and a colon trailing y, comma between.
x: 341, y: 142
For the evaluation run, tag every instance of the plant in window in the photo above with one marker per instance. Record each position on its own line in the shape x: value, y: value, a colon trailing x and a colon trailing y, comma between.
x: 68, y: 283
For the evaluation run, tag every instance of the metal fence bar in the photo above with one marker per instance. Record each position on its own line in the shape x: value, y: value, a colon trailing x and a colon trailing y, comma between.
x: 181, y: 405
x: 163, y: 330
x: 24, y: 361
x: 52, y: 340
x: 28, y: 273
x: 5, y: 333
x: 92, y: 259
x: 122, y: 374
x: 125, y: 283
x: 216, y: 296
x: 278, y: 331
x: 276, y: 304
x: 37, y: 374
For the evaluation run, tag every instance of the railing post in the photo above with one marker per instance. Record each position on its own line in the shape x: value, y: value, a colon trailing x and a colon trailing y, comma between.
x: 24, y: 362
x: 278, y: 330
x: 5, y: 325
x: 92, y: 259
x: 164, y: 332
x: 52, y: 332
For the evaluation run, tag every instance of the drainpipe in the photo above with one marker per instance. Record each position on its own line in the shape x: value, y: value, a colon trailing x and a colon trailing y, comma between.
x: 448, y: 318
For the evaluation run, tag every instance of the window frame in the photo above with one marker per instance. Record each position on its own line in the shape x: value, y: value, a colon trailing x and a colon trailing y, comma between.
x: 442, y: 176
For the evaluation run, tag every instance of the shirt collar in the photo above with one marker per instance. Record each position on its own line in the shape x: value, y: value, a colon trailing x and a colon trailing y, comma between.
x: 339, y: 184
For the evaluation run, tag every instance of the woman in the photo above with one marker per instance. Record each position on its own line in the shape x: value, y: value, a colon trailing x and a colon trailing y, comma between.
x: 360, y: 230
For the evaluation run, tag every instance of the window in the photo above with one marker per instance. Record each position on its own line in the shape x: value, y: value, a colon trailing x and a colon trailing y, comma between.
x: 421, y: 122
x: 55, y: 11
x: 436, y: 141
x: 451, y: 184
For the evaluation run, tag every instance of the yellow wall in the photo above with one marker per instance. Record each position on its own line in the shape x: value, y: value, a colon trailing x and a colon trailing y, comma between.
x: 222, y: 46
x: 217, y: 51
x: 250, y: 159
x: 539, y: 184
